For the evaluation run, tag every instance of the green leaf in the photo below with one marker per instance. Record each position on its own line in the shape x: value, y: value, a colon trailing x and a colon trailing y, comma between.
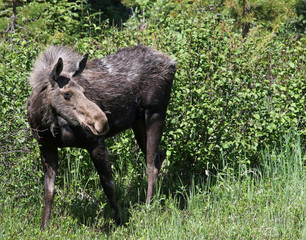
x: 256, y: 115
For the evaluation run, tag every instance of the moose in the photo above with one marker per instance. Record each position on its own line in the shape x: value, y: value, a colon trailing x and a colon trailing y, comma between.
x: 75, y: 103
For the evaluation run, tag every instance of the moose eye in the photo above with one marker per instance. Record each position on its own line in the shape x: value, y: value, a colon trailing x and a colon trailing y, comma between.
x: 67, y: 95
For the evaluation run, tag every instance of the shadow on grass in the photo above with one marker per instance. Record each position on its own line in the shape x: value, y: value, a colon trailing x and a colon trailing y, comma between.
x: 99, y: 215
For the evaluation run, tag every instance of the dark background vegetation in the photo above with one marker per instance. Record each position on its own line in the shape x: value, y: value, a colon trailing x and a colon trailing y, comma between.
x: 239, y: 88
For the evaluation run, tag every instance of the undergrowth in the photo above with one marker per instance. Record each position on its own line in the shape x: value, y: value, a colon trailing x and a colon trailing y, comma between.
x: 263, y: 203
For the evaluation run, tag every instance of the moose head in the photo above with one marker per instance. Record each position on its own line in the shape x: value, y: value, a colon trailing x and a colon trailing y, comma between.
x: 67, y: 98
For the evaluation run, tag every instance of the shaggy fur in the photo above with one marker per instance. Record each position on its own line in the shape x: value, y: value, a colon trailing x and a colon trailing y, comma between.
x: 44, y: 64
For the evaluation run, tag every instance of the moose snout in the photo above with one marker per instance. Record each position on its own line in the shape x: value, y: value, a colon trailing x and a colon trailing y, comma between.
x: 94, y: 119
x: 101, y: 126
x: 97, y: 123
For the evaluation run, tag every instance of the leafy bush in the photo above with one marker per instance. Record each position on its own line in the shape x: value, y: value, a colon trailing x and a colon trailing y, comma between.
x: 232, y: 96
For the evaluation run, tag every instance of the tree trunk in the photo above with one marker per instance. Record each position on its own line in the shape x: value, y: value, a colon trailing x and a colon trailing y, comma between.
x: 11, y: 28
x: 246, y: 25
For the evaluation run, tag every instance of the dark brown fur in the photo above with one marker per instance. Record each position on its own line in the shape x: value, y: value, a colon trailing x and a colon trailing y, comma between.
x: 69, y: 103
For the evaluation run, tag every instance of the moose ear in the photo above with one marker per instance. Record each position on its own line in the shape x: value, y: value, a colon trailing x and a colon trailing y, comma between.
x: 81, y: 66
x: 58, y: 68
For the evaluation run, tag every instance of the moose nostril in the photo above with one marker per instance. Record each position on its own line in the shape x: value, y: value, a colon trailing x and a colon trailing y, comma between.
x: 101, y: 128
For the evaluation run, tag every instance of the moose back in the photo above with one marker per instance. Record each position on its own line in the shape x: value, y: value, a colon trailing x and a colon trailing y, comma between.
x: 75, y: 103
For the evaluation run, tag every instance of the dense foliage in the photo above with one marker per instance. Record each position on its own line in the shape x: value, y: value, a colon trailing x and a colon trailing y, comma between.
x: 231, y: 97
x: 236, y: 92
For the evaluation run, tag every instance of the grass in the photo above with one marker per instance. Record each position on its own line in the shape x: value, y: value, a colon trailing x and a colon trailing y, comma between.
x: 266, y: 202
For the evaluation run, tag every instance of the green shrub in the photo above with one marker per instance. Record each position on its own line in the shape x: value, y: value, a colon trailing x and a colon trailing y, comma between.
x: 231, y: 96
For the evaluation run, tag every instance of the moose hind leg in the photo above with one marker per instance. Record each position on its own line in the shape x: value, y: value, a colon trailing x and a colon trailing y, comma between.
x: 100, y: 158
x: 154, y: 124
x: 139, y: 129
x: 49, y: 159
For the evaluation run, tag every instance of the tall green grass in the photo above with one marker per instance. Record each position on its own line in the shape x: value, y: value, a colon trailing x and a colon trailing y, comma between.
x: 266, y: 202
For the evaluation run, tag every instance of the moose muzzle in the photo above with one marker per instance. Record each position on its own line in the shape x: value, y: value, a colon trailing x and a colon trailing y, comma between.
x: 93, y: 118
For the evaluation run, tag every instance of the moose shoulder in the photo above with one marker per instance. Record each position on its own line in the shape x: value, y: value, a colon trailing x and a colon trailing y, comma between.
x: 77, y: 103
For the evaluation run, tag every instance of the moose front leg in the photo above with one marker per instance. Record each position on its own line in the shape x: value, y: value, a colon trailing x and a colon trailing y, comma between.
x: 154, y: 122
x: 100, y: 158
x: 49, y: 157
